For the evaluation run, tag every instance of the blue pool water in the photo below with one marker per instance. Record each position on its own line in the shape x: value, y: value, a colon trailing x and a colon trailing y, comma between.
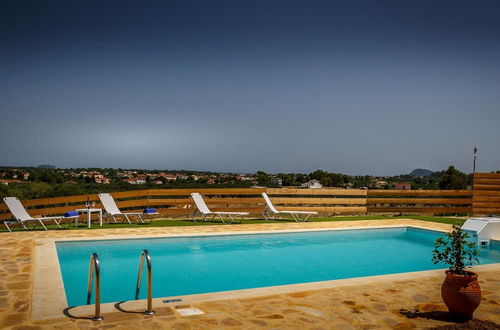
x: 192, y: 265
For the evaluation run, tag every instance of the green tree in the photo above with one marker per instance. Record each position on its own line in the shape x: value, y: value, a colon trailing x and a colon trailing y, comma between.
x: 40, y: 190
x: 301, y: 178
x: 67, y: 190
x: 453, y: 179
x: 263, y: 178
x: 4, y: 190
x: 287, y: 179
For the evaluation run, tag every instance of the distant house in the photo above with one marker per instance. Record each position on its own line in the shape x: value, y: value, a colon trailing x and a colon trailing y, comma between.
x: 313, y: 184
x: 379, y: 184
x: 277, y: 181
x: 244, y: 177
x: 169, y: 177
x: 134, y: 181
x: 402, y: 186
x: 101, y: 180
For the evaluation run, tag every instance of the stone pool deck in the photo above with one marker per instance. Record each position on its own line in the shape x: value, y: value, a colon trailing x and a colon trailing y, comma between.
x: 397, y: 301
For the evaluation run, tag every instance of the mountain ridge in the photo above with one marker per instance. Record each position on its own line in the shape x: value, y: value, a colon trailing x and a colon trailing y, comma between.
x: 421, y: 172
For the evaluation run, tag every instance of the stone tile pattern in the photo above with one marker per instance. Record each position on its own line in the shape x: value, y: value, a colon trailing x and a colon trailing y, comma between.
x: 354, y: 307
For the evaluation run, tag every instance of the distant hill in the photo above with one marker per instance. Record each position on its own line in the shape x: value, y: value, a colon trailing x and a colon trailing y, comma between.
x: 47, y: 166
x: 421, y: 172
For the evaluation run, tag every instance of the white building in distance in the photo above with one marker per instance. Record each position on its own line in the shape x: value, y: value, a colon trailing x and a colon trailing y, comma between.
x: 313, y: 184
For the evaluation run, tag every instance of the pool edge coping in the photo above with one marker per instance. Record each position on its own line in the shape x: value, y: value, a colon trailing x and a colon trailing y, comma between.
x: 49, y: 298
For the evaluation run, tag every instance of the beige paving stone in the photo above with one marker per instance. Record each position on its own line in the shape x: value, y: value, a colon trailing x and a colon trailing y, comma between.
x: 27, y: 327
x: 4, y: 302
x: 23, y: 285
x: 260, y: 323
x: 13, y: 319
x: 420, y: 297
x: 21, y: 305
x: 341, y: 324
x: 230, y: 322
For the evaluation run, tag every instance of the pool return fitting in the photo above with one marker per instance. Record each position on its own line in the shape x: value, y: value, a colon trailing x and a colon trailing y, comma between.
x: 145, y: 255
x: 95, y: 268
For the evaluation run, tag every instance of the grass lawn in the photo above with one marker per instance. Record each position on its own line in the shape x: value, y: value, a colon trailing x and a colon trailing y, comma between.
x: 189, y: 222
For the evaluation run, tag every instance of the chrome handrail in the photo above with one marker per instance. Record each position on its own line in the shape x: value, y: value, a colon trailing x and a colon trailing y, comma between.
x: 95, y: 267
x: 145, y: 255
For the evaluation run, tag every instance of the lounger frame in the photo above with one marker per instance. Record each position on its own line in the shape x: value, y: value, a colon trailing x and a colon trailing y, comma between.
x: 203, y: 210
x: 22, y: 217
x: 271, y: 213
x: 112, y: 211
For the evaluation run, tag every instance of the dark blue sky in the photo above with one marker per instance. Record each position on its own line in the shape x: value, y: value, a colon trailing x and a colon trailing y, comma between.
x: 358, y: 87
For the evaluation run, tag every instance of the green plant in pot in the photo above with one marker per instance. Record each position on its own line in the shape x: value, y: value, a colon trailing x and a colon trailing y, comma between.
x: 460, y: 290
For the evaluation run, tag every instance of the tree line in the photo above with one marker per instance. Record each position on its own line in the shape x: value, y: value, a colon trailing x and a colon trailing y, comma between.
x: 51, y: 183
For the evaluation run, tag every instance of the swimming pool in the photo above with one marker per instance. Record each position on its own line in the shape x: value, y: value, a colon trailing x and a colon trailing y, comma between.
x: 202, y: 264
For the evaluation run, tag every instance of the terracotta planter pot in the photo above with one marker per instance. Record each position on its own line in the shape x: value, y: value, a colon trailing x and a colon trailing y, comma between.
x: 461, y: 294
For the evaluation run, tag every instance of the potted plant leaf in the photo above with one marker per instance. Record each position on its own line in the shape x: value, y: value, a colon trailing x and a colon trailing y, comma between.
x: 460, y: 291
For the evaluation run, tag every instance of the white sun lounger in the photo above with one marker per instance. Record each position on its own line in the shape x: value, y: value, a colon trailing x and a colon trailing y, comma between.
x: 21, y: 216
x: 270, y: 213
x: 203, y: 210
x: 112, y: 210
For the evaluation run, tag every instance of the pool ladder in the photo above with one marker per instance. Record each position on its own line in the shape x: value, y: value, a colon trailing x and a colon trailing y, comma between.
x: 95, y: 271
x: 145, y: 255
x: 95, y: 268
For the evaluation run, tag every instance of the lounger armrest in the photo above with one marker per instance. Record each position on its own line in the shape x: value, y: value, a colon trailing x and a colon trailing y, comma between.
x: 48, y: 218
x: 126, y: 213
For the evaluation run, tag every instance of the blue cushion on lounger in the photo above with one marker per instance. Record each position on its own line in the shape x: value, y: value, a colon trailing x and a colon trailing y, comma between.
x: 70, y: 214
x: 149, y: 211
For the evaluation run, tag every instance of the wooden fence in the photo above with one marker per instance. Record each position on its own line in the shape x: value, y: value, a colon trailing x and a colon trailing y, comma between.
x: 484, y: 199
x: 177, y: 202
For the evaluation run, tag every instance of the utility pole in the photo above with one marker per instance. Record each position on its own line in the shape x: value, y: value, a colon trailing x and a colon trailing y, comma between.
x: 473, y: 175
x: 475, y: 156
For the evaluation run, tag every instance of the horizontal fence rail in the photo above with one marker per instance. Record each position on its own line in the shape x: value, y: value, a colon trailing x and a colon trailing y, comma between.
x: 484, y: 199
x: 420, y: 201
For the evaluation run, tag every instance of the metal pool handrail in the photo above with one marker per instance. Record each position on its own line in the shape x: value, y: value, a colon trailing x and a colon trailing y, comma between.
x: 95, y: 268
x: 145, y: 255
